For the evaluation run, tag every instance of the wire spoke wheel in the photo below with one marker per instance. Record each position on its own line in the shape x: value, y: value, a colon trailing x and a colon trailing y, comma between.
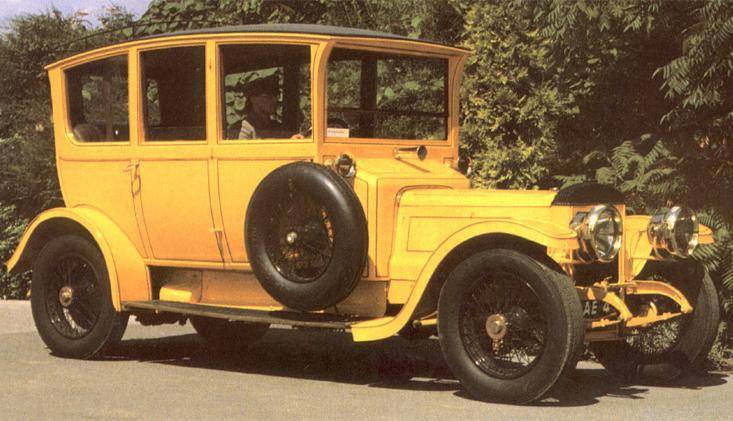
x: 502, y: 325
x: 681, y: 343
x: 72, y: 296
x: 71, y: 299
x: 508, y: 326
x: 300, y: 237
x: 662, y: 337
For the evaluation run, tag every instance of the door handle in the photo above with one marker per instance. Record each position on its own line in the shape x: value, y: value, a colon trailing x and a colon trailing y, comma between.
x: 131, y: 166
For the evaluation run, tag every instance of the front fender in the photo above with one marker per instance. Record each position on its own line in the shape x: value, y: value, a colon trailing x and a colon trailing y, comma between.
x: 120, y: 255
x: 420, y: 265
x: 426, y: 240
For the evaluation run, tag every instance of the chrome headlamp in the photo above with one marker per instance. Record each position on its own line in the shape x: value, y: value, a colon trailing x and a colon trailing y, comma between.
x: 674, y: 231
x: 599, y: 232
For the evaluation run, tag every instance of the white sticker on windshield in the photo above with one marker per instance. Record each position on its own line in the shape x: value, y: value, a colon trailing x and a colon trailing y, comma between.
x: 337, y: 132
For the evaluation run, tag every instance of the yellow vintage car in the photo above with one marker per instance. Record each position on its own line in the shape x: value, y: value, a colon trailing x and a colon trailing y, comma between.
x: 305, y: 175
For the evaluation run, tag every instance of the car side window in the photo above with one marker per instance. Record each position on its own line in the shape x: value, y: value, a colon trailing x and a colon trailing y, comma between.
x: 97, y: 98
x: 265, y: 91
x: 174, y: 93
x: 386, y: 96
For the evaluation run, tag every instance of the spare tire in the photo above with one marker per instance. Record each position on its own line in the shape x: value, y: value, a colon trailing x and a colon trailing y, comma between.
x: 306, y: 236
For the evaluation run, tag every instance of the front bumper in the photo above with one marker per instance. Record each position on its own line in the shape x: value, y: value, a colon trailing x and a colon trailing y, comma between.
x: 623, y: 319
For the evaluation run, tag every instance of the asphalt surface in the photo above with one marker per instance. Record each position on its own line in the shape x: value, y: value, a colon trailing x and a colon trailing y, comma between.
x: 166, y: 372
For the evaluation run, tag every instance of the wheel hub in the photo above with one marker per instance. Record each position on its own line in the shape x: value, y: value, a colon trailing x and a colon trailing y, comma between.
x: 66, y: 296
x: 496, y: 326
x: 291, y: 237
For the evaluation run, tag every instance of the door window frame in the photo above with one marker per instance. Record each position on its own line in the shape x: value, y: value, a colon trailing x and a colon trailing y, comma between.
x: 451, y: 61
x: 141, y: 93
x: 67, y: 126
x: 219, y: 87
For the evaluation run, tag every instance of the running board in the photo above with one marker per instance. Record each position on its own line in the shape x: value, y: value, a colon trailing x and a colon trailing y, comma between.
x: 289, y: 318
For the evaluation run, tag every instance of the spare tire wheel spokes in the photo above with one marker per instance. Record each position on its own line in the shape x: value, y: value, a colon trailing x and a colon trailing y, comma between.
x: 299, y: 244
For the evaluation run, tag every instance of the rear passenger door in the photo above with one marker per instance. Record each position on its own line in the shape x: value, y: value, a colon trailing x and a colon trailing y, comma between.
x: 92, y: 130
x: 173, y: 156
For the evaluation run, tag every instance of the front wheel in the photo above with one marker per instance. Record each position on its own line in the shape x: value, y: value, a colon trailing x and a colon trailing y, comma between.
x: 682, y: 343
x: 507, y: 328
x: 71, y: 301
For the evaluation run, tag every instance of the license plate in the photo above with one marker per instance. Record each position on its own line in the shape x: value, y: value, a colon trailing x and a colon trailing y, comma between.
x: 596, y: 309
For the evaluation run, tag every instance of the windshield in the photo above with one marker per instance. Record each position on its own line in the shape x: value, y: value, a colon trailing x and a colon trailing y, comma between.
x: 386, y: 96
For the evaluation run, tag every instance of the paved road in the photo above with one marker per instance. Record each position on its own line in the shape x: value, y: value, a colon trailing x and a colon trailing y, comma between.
x: 166, y: 373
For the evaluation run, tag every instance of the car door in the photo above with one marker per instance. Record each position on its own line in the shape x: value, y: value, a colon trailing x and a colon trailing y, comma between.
x: 173, y: 164
x: 92, y: 124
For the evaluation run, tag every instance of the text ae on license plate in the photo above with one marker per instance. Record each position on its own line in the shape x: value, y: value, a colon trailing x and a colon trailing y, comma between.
x: 595, y: 309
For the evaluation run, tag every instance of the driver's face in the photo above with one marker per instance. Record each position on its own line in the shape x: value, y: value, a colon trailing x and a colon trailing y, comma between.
x: 264, y: 103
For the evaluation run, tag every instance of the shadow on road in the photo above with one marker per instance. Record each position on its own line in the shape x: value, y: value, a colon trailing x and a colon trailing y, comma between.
x: 395, y: 363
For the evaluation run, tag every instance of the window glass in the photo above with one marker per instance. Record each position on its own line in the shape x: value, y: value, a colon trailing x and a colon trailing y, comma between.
x: 266, y: 91
x: 343, y: 83
x: 174, y: 89
x: 387, y: 96
x: 98, y: 100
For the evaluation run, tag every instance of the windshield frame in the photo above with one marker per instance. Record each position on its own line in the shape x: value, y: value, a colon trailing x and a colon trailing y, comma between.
x: 454, y: 63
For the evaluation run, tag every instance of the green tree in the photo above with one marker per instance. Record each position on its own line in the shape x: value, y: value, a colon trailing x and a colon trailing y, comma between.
x: 655, y: 68
x: 652, y: 70
x: 432, y: 19
x: 511, y: 104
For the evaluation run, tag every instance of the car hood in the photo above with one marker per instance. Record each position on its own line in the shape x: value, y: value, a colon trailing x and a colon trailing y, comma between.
x: 478, y: 198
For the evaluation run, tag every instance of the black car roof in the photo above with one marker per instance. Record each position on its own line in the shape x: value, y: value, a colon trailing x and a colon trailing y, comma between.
x: 285, y: 28
x: 293, y: 28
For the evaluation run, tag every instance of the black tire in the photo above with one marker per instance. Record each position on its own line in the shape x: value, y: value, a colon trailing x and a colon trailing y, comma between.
x: 542, y: 313
x: 570, y: 296
x: 85, y: 325
x: 316, y: 209
x: 225, y: 335
x: 692, y: 336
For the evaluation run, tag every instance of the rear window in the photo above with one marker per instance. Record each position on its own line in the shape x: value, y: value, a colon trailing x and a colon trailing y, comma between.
x: 98, y: 100
x: 386, y: 96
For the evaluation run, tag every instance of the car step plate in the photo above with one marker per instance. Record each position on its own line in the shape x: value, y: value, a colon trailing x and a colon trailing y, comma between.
x: 289, y: 318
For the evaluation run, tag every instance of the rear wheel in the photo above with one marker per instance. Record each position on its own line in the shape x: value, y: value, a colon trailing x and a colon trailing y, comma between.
x: 683, y: 342
x: 507, y: 328
x: 71, y: 301
x: 225, y: 335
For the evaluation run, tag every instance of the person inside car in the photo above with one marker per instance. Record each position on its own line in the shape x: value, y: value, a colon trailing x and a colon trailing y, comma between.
x: 261, y: 106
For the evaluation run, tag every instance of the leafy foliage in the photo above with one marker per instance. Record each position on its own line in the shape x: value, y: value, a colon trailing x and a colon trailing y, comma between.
x: 431, y: 19
x: 718, y: 257
x: 649, y: 181
x: 510, y: 115
x: 167, y: 16
x: 11, y: 228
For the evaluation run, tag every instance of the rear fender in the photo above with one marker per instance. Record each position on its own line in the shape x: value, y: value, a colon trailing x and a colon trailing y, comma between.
x: 120, y: 255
